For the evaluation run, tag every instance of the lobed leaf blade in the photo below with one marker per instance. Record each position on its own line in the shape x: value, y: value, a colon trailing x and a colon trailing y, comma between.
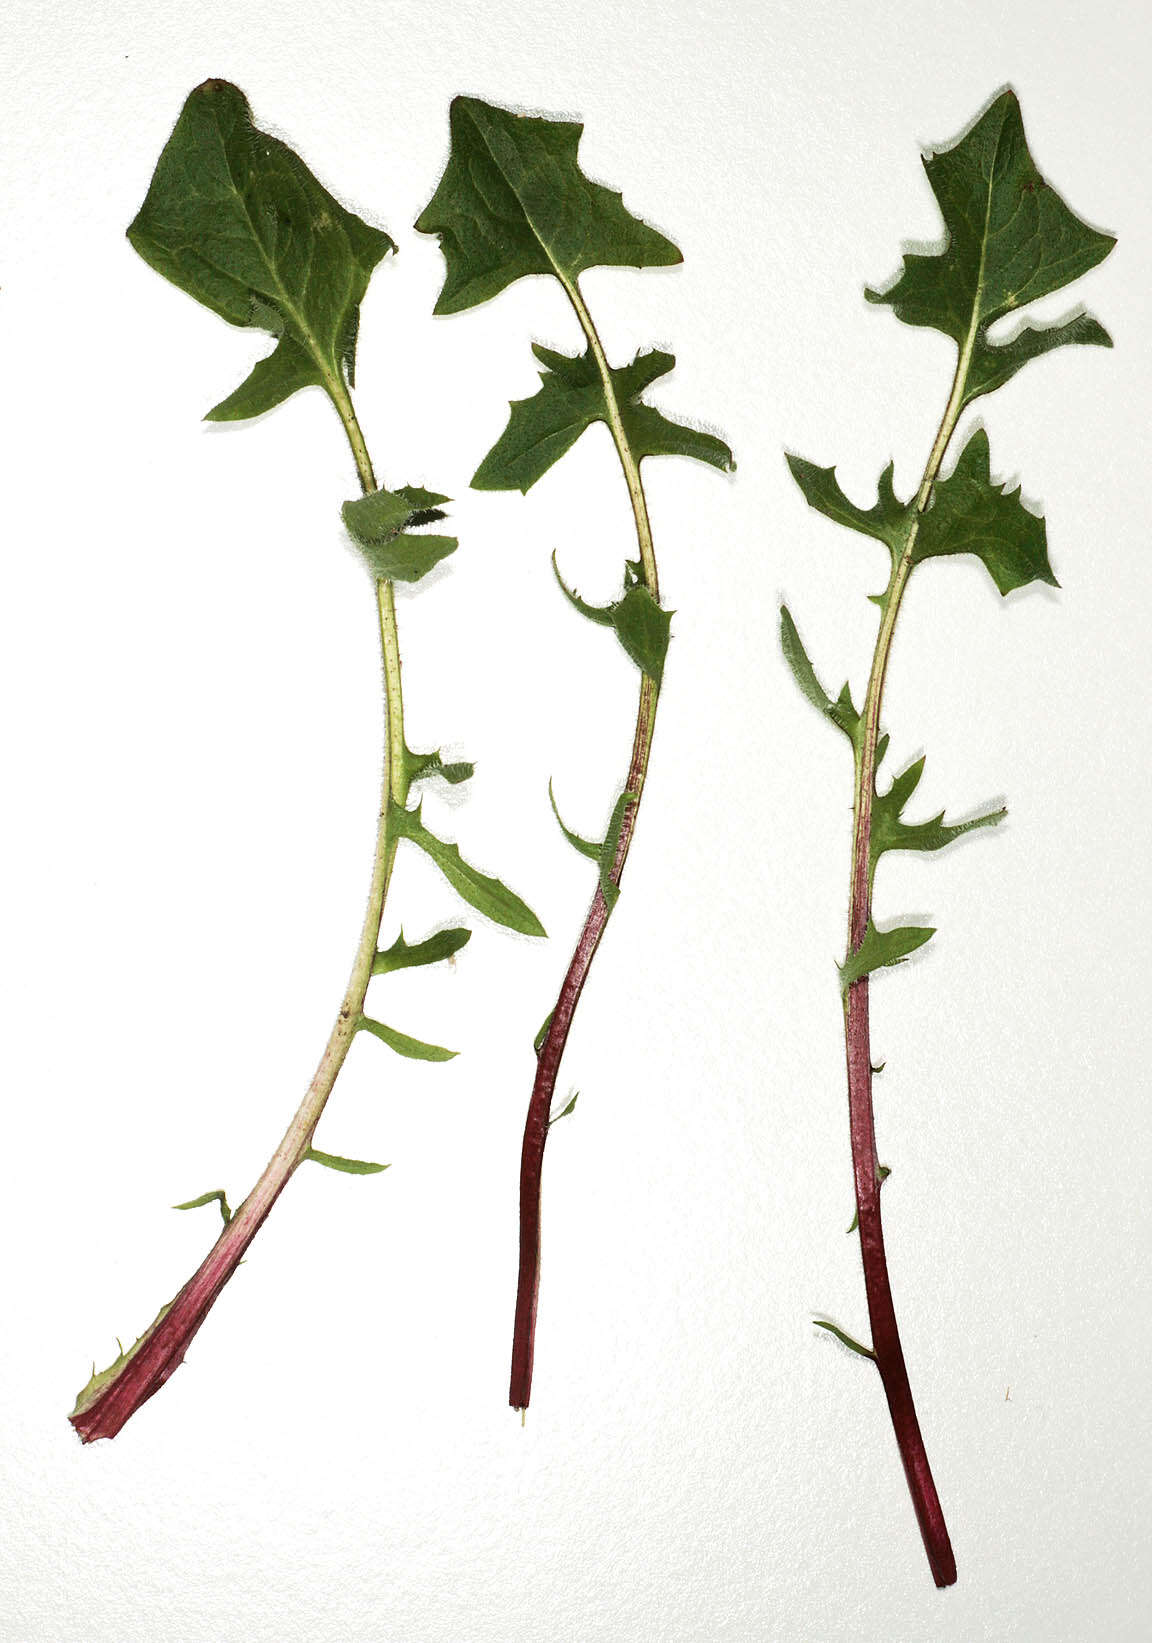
x: 971, y: 514
x: 381, y: 522
x: 513, y: 202
x: 886, y: 520
x: 643, y: 627
x: 994, y: 364
x: 1010, y: 240
x: 488, y: 895
x: 841, y: 712
x: 571, y: 397
x: 881, y: 948
x: 234, y: 218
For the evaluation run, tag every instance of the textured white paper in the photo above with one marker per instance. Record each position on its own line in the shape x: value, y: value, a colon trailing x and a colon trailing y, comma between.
x: 191, y: 713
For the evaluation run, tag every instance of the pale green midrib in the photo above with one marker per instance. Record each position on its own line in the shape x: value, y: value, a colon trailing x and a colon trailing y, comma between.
x: 328, y: 368
x: 865, y: 785
x: 612, y: 405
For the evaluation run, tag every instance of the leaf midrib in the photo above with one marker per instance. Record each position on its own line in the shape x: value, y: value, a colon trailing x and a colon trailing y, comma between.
x: 558, y: 270
x: 325, y: 365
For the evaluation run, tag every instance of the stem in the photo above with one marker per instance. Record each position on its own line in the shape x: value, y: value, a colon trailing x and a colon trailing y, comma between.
x: 113, y: 1397
x: 886, y: 1347
x: 560, y: 1023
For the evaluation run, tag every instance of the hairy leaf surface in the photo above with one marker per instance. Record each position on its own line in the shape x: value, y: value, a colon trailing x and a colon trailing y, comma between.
x: 971, y: 514
x: 487, y: 895
x: 642, y: 626
x: 420, y: 766
x: 586, y: 847
x: 886, y: 520
x: 890, y: 832
x: 513, y: 201
x: 1011, y: 239
x: 883, y: 947
x: 609, y: 889
x: 346, y: 1166
x: 236, y: 219
x: 405, y: 955
x: 570, y: 399
x: 841, y: 712
x: 380, y: 524
x: 994, y: 364
x: 414, y: 1048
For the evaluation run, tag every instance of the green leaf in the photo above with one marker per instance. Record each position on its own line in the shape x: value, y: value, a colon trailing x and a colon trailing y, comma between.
x: 347, y: 1166
x: 845, y: 1339
x: 273, y: 379
x: 377, y: 516
x: 841, y: 711
x: 487, y: 895
x: 513, y: 201
x: 883, y: 947
x: 969, y: 514
x: 404, y: 955
x: 887, y: 519
x: 380, y: 523
x: 882, y: 1174
x: 1011, y: 239
x: 603, y: 853
x: 609, y: 889
x: 237, y: 220
x: 570, y: 399
x: 538, y: 1041
x: 889, y: 832
x: 217, y: 1197
x: 586, y: 847
x: 407, y: 558
x: 994, y: 363
x: 419, y: 766
x: 600, y: 614
x: 642, y: 626
x: 644, y: 630
x: 414, y: 1048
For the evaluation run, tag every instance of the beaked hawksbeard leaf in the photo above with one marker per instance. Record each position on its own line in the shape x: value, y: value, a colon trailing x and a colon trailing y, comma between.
x: 346, y: 1166
x: 420, y: 766
x: 886, y: 520
x: 880, y: 948
x: 570, y: 399
x: 405, y: 955
x: 513, y: 201
x: 609, y: 889
x: 841, y: 712
x: 603, y: 852
x: 414, y: 1048
x: 970, y: 514
x: 1011, y: 239
x: 236, y: 219
x: 642, y: 626
x: 381, y: 524
x: 487, y: 895
x: 890, y: 832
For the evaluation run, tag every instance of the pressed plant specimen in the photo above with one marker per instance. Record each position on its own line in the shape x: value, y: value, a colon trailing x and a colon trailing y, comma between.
x: 513, y: 202
x: 1010, y: 240
x: 235, y: 219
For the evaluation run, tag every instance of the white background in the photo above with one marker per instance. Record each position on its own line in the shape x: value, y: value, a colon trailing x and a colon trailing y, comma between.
x: 191, y: 713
